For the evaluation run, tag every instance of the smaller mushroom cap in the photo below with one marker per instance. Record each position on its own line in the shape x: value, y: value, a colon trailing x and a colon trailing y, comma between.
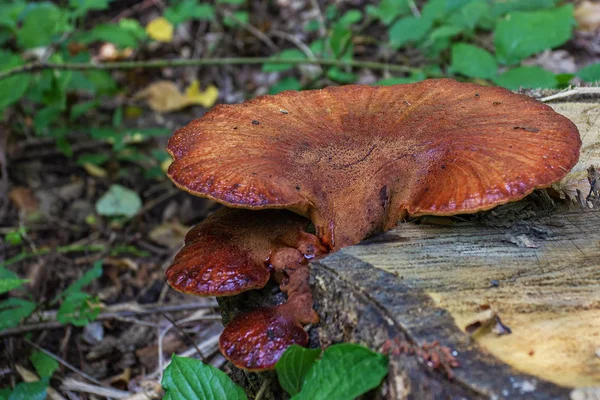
x: 256, y: 340
x: 355, y: 159
x: 228, y: 253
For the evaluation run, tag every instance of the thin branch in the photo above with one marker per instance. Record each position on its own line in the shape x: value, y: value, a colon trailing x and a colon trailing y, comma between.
x: 118, y: 312
x: 188, y: 337
x: 572, y: 92
x: 198, y: 62
x: 64, y: 362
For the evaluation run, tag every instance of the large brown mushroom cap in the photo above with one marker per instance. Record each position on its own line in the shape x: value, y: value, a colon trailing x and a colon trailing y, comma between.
x: 355, y: 159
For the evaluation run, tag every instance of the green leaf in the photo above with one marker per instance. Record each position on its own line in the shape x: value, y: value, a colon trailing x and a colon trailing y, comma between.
x: 468, y: 17
x: 434, y: 11
x: 527, y: 77
x: 123, y: 35
x: 41, y: 22
x: 343, y: 373
x: 7, y: 274
x: 234, y: 2
x: 78, y: 309
x: 351, y: 17
x: 239, y: 18
x: 30, y: 390
x: 591, y: 73
x: 90, y: 275
x: 186, y: 378
x: 289, y: 54
x: 5, y: 393
x: 473, y: 61
x: 119, y: 201
x: 408, y: 29
x: 522, y: 34
x: 6, y: 285
x: 82, y: 108
x: 503, y: 7
x: 10, y: 12
x: 44, y: 118
x: 293, y: 366
x: 287, y: 83
x: 95, y: 159
x: 13, y: 87
x: 415, y: 77
x: 83, y: 6
x: 446, y: 31
x: 13, y: 310
x: 336, y: 74
x: 189, y: 10
x: 340, y: 37
x: 43, y: 363
x: 388, y: 10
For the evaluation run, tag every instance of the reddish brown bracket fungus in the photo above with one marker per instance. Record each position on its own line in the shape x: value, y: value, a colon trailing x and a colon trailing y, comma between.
x: 230, y: 251
x: 355, y: 160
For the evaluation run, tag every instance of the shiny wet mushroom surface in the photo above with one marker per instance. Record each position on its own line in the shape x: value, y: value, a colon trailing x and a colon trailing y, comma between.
x: 353, y: 160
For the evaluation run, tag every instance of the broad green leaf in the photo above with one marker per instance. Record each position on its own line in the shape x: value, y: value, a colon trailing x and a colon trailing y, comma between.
x: 289, y: 54
x: 527, y: 77
x: 13, y: 87
x: 522, y: 34
x: 388, y: 10
x: 238, y: 19
x: 473, y: 61
x: 13, y: 310
x: 43, y: 363
x: 415, y: 77
x: 564, y: 79
x: 287, y: 83
x: 92, y: 274
x: 78, y: 309
x: 340, y: 37
x: 41, y: 21
x: 186, y: 378
x: 343, y: 373
x: 453, y: 5
x: 446, y: 31
x: 5, y: 393
x: 434, y: 11
x: 591, y: 73
x: 234, y: 2
x: 506, y: 6
x: 7, y: 274
x: 188, y: 10
x: 94, y: 159
x: 83, y: 6
x: 351, y: 17
x: 135, y: 29
x: 469, y: 16
x: 123, y: 35
x: 6, y: 285
x: 336, y: 74
x: 30, y: 390
x: 44, y: 118
x: 82, y: 108
x: 9, y: 13
x: 119, y: 201
x: 293, y: 366
x: 408, y: 29
x: 331, y: 12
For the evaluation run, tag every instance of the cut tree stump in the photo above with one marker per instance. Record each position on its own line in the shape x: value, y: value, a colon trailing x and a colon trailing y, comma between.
x: 534, y: 264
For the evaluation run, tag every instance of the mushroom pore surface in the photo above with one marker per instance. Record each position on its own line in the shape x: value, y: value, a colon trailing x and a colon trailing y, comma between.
x: 355, y: 159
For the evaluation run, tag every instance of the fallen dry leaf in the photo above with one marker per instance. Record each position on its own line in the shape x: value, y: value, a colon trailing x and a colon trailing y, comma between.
x: 169, y: 234
x: 94, y: 170
x: 587, y: 15
x: 160, y: 29
x: 164, y: 96
x: 24, y: 200
x: 205, y: 98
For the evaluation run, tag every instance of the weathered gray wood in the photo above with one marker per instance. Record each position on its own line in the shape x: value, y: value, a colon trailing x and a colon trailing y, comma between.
x: 425, y: 282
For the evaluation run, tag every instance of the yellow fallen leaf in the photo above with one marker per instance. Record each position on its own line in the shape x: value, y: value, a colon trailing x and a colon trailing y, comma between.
x: 160, y: 29
x: 94, y: 170
x: 163, y: 96
x: 206, y: 98
x: 587, y: 15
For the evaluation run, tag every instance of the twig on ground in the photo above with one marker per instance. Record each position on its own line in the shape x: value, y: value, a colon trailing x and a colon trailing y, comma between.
x: 252, y: 29
x: 187, y: 336
x: 572, y: 92
x: 199, y: 62
x: 78, y: 386
x: 118, y: 311
x: 64, y: 362
x: 263, y: 388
